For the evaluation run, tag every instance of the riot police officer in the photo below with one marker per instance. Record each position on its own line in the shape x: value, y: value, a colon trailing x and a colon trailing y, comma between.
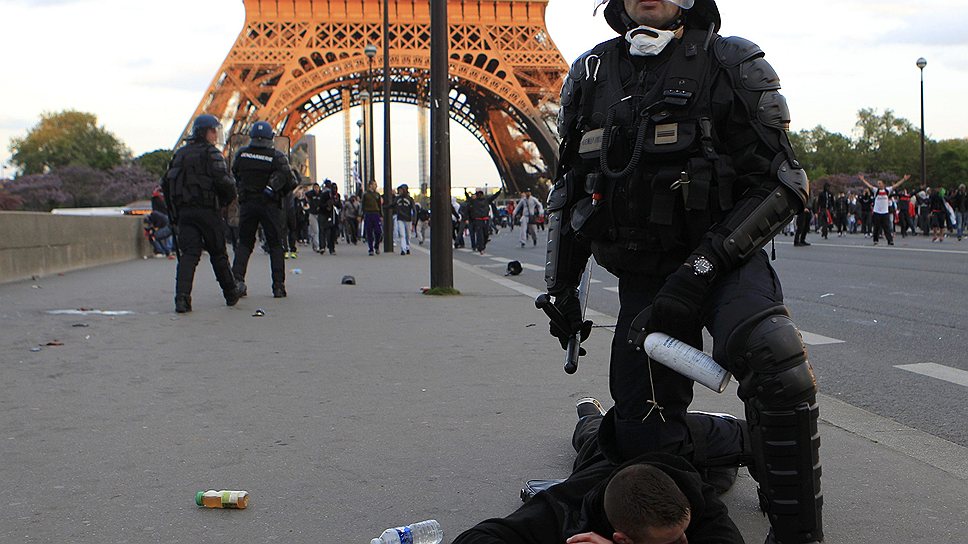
x: 264, y: 179
x: 196, y: 185
x: 676, y: 170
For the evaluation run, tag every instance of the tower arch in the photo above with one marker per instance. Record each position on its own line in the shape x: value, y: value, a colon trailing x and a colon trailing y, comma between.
x: 293, y: 59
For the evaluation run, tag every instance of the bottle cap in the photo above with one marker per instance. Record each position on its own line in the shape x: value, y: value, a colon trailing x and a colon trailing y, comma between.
x: 198, y: 497
x: 376, y: 541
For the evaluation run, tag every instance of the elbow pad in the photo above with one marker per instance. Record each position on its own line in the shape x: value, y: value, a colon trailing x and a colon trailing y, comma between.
x: 756, y: 221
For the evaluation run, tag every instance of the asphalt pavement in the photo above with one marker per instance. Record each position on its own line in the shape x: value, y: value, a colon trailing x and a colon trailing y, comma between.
x: 348, y: 409
x: 887, y: 326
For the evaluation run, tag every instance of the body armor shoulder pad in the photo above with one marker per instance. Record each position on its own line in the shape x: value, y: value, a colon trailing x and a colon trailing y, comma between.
x: 732, y: 51
x: 586, y: 66
x: 758, y: 75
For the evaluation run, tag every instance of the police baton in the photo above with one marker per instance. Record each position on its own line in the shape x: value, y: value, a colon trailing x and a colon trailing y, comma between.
x: 573, y: 348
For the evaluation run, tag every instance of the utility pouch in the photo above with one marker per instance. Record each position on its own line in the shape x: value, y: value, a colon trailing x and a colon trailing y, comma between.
x: 725, y: 182
x: 700, y: 179
x: 663, y: 198
x: 589, y: 220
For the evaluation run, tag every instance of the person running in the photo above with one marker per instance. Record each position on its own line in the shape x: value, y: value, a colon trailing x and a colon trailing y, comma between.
x: 528, y: 209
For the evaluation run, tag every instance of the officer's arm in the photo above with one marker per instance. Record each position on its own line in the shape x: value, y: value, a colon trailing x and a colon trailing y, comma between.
x: 282, y: 181
x: 756, y: 139
x: 235, y: 164
x: 566, y: 255
x: 224, y: 182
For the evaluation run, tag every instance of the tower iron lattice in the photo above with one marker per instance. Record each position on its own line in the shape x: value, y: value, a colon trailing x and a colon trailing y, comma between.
x: 294, y: 60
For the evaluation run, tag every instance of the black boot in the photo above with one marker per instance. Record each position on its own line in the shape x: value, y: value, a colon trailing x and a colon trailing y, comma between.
x: 183, y: 304
x: 278, y: 290
x: 232, y: 296
x: 242, y: 290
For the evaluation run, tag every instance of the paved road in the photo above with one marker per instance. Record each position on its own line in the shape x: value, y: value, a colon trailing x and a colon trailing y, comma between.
x: 345, y: 410
x: 886, y: 307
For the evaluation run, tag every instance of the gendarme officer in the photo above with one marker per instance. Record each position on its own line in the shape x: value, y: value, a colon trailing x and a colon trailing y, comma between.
x: 264, y: 179
x: 676, y: 170
x: 196, y: 185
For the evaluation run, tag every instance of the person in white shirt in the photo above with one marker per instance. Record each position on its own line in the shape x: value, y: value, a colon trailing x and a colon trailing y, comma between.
x: 528, y: 209
x: 882, y: 206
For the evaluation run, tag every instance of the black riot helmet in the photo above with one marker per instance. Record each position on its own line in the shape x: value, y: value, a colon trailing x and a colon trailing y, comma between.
x: 702, y: 14
x: 261, y: 131
x: 202, y: 123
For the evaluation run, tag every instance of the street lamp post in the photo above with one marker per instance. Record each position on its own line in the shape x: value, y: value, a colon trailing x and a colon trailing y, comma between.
x: 924, y: 165
x: 387, y: 170
x: 370, y: 51
x: 441, y: 249
x: 364, y: 133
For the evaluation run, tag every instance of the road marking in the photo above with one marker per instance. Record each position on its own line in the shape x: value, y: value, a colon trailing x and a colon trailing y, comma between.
x: 883, y: 248
x: 814, y: 339
x: 924, y: 447
x: 940, y: 372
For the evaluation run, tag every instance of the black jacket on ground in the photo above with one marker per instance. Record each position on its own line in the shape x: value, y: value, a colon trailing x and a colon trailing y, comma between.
x: 577, y: 506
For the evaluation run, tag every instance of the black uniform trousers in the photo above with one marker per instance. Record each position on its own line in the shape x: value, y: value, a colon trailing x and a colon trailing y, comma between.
x: 479, y: 234
x: 201, y: 229
x: 650, y: 399
x: 253, y: 212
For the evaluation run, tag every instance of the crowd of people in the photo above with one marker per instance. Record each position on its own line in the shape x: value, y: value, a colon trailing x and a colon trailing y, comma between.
x: 883, y: 210
x: 318, y: 218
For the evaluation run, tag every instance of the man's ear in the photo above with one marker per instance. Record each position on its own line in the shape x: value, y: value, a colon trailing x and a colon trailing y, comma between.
x: 621, y: 538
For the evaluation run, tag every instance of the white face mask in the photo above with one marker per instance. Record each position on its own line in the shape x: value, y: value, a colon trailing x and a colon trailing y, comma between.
x: 647, y: 41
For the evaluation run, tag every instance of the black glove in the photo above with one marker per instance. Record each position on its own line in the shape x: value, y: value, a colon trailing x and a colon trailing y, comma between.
x: 677, y: 309
x: 569, y: 306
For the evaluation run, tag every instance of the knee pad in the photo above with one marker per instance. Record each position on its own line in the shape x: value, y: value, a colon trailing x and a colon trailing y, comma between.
x: 770, y: 361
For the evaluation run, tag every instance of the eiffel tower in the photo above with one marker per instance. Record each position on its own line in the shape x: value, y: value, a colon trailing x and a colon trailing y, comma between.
x: 297, y: 62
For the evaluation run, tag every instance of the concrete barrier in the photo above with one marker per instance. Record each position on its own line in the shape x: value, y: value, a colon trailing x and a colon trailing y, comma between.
x: 39, y: 244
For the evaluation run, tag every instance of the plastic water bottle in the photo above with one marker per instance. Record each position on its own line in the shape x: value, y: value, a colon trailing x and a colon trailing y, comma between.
x: 222, y: 499
x: 424, y: 532
x: 686, y: 360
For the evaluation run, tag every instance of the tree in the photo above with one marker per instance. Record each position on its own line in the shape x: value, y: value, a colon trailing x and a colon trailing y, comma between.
x: 823, y: 152
x: 78, y: 187
x: 155, y: 162
x: 38, y: 192
x: 64, y: 139
x: 888, y: 143
x: 948, y: 163
x: 9, y: 202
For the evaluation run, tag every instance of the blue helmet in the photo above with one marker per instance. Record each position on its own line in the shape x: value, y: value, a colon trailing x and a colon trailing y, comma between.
x: 203, y: 123
x: 261, y: 130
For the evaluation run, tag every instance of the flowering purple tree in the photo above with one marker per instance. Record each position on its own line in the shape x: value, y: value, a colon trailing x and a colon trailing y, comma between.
x: 38, y: 192
x: 78, y: 187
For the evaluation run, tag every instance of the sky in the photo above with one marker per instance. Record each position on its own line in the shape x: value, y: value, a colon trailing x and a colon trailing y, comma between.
x: 142, y: 67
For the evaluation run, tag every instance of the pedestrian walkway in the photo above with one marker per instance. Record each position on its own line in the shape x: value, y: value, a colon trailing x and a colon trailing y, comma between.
x: 348, y: 409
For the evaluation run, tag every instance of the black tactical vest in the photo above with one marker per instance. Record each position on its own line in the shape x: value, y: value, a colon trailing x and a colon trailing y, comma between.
x: 191, y: 182
x: 647, y: 161
x: 253, y: 167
